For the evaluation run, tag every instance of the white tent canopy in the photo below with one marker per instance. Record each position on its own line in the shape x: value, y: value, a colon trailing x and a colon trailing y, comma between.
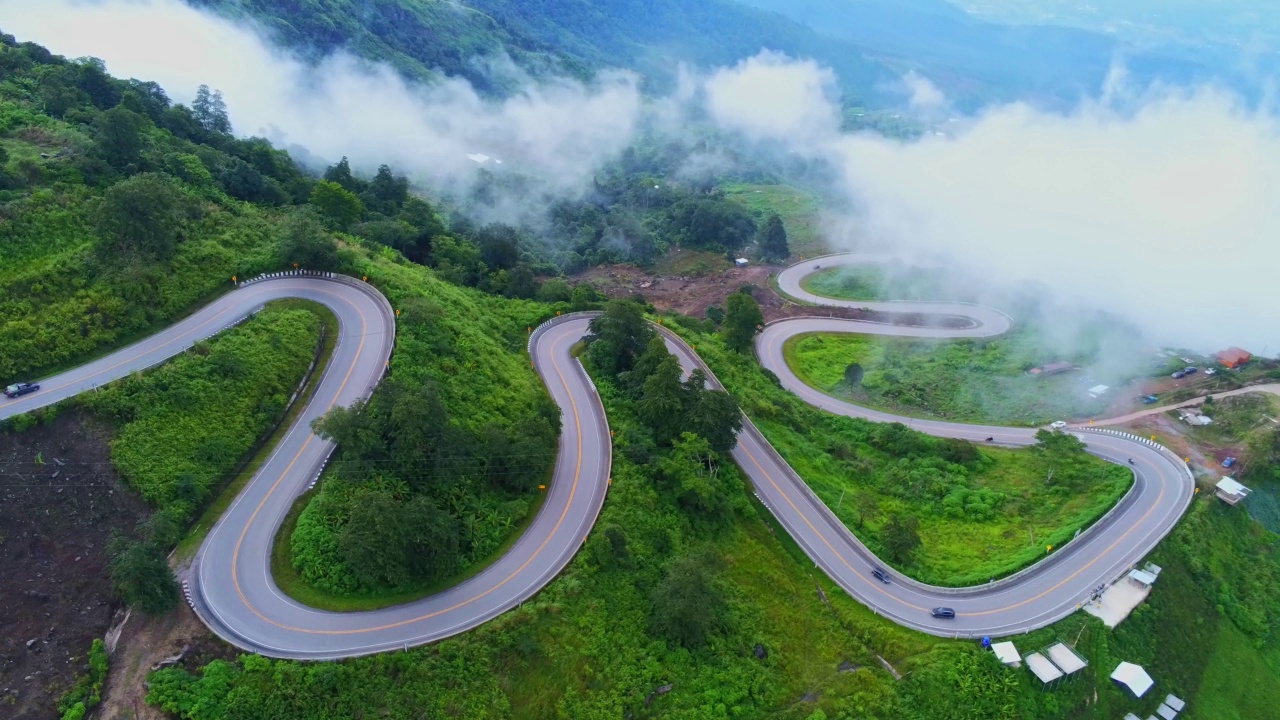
x: 1007, y: 653
x: 1040, y: 666
x: 1133, y: 677
x: 1066, y: 659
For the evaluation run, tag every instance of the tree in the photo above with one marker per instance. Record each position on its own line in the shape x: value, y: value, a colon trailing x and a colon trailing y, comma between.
x: 341, y: 173
x: 662, y: 400
x: 120, y: 136
x: 853, y: 374
x: 773, y: 240
x: 692, y: 470
x: 337, y: 204
x: 141, y: 575
x: 742, y: 320
x: 618, y: 336
x: 390, y: 191
x: 389, y: 543
x: 210, y: 110
x: 139, y: 220
x: 712, y: 414
x: 307, y: 243
x: 521, y: 283
x: 900, y: 537
x: 687, y: 604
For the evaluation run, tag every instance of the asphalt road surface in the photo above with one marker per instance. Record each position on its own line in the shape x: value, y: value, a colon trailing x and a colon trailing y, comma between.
x: 230, y: 584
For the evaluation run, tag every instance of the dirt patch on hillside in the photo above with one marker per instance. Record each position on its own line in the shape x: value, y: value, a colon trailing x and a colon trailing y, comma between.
x: 177, y: 639
x: 60, y: 503
x: 689, y: 295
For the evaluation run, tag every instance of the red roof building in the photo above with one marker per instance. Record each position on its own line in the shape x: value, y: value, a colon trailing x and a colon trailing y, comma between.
x: 1233, y: 357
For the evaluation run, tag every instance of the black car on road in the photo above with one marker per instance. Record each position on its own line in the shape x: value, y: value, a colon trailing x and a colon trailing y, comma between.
x: 18, y: 389
x: 880, y: 575
x: 943, y: 612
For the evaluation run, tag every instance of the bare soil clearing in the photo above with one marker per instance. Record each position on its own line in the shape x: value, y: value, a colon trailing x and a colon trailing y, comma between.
x: 60, y: 503
x: 692, y: 295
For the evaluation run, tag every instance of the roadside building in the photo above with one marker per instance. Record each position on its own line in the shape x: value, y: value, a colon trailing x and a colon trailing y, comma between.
x: 741, y: 262
x: 1231, y: 492
x: 1233, y: 357
x: 1053, y: 368
x: 1194, y: 418
x: 1145, y: 577
x: 1133, y: 678
x: 1098, y: 391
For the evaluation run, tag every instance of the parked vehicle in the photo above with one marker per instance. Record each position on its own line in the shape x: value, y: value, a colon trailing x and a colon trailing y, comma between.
x: 1149, y: 399
x: 19, y: 389
x: 1228, y: 462
x: 880, y: 575
x: 943, y: 612
x: 1178, y: 375
x: 1210, y: 371
x: 1190, y: 370
x: 1058, y: 424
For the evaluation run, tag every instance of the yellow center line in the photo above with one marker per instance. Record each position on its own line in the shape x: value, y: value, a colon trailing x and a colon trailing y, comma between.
x: 573, y: 488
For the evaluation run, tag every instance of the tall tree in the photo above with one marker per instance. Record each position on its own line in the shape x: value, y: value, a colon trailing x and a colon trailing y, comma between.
x: 773, y: 240
x: 120, y: 135
x: 339, y: 206
x: 742, y: 320
x: 687, y: 604
x: 139, y: 220
x: 900, y: 537
x: 307, y: 243
x: 618, y: 336
x: 712, y: 414
x: 389, y: 190
x: 202, y: 107
x: 341, y: 173
x: 142, y: 576
x: 662, y: 400
x: 219, y: 121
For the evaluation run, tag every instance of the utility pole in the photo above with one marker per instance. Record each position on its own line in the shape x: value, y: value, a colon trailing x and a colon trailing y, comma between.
x: 840, y: 501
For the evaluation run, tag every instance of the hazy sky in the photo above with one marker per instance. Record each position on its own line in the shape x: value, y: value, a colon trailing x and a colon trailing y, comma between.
x: 1167, y: 210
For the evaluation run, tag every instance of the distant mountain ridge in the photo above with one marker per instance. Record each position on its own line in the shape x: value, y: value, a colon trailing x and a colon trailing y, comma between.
x: 869, y: 43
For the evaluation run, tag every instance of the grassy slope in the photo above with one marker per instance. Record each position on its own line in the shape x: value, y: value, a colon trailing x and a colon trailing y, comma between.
x: 799, y: 210
x: 874, y: 282
x: 957, y: 551
x: 200, y: 413
x: 963, y: 380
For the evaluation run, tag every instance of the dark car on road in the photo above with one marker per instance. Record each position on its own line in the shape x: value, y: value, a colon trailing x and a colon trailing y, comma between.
x: 18, y: 389
x: 942, y: 612
x: 880, y: 575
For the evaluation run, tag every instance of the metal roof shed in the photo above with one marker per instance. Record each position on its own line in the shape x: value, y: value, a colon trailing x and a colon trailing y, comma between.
x: 1133, y: 677
x: 1131, y: 716
x: 1007, y: 653
x: 1166, y: 712
x: 1040, y: 666
x: 1066, y: 659
x: 1174, y: 702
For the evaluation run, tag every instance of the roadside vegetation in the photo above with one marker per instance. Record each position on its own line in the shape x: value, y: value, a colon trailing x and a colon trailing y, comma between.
x: 946, y: 512
x: 661, y: 612
x: 890, y: 281
x: 798, y: 210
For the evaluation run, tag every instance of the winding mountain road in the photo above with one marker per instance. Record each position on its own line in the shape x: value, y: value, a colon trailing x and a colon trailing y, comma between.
x: 230, y: 583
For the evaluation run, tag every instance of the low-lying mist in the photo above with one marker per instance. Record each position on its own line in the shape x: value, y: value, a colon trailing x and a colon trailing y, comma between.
x: 441, y: 135
x: 1159, y: 204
